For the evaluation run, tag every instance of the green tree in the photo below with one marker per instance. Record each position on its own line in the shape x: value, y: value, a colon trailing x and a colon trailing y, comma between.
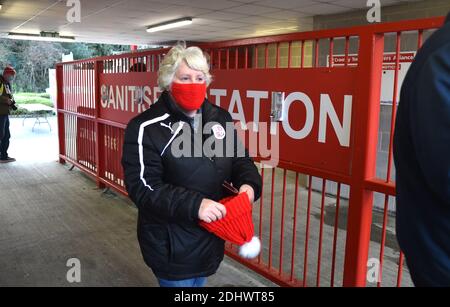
x: 32, y: 59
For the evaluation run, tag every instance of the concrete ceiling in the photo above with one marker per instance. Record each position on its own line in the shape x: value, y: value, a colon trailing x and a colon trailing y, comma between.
x: 125, y: 21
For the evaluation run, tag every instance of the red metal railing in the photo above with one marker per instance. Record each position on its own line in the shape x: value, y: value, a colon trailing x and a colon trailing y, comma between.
x: 318, y: 227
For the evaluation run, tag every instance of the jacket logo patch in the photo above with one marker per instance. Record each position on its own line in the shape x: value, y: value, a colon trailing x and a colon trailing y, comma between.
x: 218, y: 131
x: 169, y: 126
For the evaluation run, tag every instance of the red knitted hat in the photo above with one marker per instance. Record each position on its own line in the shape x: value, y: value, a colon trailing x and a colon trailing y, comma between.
x: 9, y: 70
x: 237, y: 225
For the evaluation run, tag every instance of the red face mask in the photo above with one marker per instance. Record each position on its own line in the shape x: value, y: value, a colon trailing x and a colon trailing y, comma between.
x: 189, y: 96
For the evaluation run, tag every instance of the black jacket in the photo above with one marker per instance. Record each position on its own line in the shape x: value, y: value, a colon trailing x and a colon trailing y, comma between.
x: 422, y: 160
x: 168, y: 189
x: 5, y: 92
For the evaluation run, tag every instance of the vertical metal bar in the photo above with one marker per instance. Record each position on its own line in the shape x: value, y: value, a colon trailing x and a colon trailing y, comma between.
x: 322, y: 216
x: 294, y: 228
x: 80, y: 127
x: 60, y: 103
x: 67, y: 136
x: 70, y: 87
x: 261, y: 206
x: 92, y: 145
x: 87, y: 89
x: 67, y: 88
x: 271, y: 217
x: 121, y: 134
x: 277, y: 63
x: 220, y: 58
x: 83, y: 90
x: 91, y: 124
x: 236, y: 58
x: 73, y: 135
x: 283, y: 204
x: 383, y: 239
x: 99, y: 149
x: 256, y: 56
x: 302, y: 55
x: 246, y: 58
x: 308, y: 213
x: 114, y: 155
x: 336, y: 228
x: 289, y: 55
x: 347, y: 44
x: 228, y: 58
x: 316, y: 53
x: 108, y: 152
x: 400, y: 270
x: 76, y: 102
x: 79, y: 85
x: 331, y: 52
x: 266, y: 56
x: 86, y: 143
x: 368, y: 88
x: 419, y: 39
x: 394, y: 106
x: 211, y: 58
x: 88, y: 139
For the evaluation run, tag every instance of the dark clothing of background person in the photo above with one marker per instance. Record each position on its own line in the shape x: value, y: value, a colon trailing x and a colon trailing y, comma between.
x: 168, y: 190
x: 5, y: 135
x: 422, y: 160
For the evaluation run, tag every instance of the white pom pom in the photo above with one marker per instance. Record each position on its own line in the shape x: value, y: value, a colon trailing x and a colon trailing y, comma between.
x: 250, y: 249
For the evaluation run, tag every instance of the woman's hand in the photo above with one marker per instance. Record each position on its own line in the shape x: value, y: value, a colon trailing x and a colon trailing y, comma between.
x: 249, y: 190
x: 211, y: 211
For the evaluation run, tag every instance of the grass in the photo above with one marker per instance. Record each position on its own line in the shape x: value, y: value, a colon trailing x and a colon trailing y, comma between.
x: 29, y: 98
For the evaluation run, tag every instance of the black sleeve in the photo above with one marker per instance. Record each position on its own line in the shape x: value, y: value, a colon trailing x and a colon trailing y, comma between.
x: 143, y: 170
x: 430, y: 122
x: 244, y: 169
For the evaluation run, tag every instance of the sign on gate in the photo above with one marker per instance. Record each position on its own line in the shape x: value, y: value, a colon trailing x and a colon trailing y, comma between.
x: 388, y: 77
x: 317, y: 108
x: 123, y: 96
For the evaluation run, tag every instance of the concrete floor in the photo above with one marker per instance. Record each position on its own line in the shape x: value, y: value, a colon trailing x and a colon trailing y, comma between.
x: 49, y: 214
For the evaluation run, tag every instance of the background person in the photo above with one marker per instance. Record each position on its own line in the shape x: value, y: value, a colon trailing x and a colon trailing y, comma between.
x: 6, y: 104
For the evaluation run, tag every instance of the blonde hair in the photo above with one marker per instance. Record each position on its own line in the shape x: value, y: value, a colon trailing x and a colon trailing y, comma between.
x: 192, y: 56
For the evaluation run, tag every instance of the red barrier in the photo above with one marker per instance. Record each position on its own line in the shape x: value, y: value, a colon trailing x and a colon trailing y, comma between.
x: 318, y: 223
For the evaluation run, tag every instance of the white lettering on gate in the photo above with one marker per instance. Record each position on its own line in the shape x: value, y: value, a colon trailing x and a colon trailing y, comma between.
x: 122, y: 97
x: 342, y: 131
x: 218, y: 93
x: 257, y: 96
x: 240, y: 116
x: 326, y: 111
x: 309, y: 122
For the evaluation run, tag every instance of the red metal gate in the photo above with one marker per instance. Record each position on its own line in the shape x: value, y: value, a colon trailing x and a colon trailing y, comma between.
x: 317, y: 221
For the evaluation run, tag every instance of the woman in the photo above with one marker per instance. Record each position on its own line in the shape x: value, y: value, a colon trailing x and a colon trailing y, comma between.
x: 172, y: 192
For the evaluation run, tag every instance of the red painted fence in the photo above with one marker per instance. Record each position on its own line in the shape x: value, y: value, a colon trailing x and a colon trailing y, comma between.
x: 316, y: 217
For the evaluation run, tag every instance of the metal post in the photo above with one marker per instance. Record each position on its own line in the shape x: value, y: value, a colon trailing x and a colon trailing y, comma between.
x: 365, y: 113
